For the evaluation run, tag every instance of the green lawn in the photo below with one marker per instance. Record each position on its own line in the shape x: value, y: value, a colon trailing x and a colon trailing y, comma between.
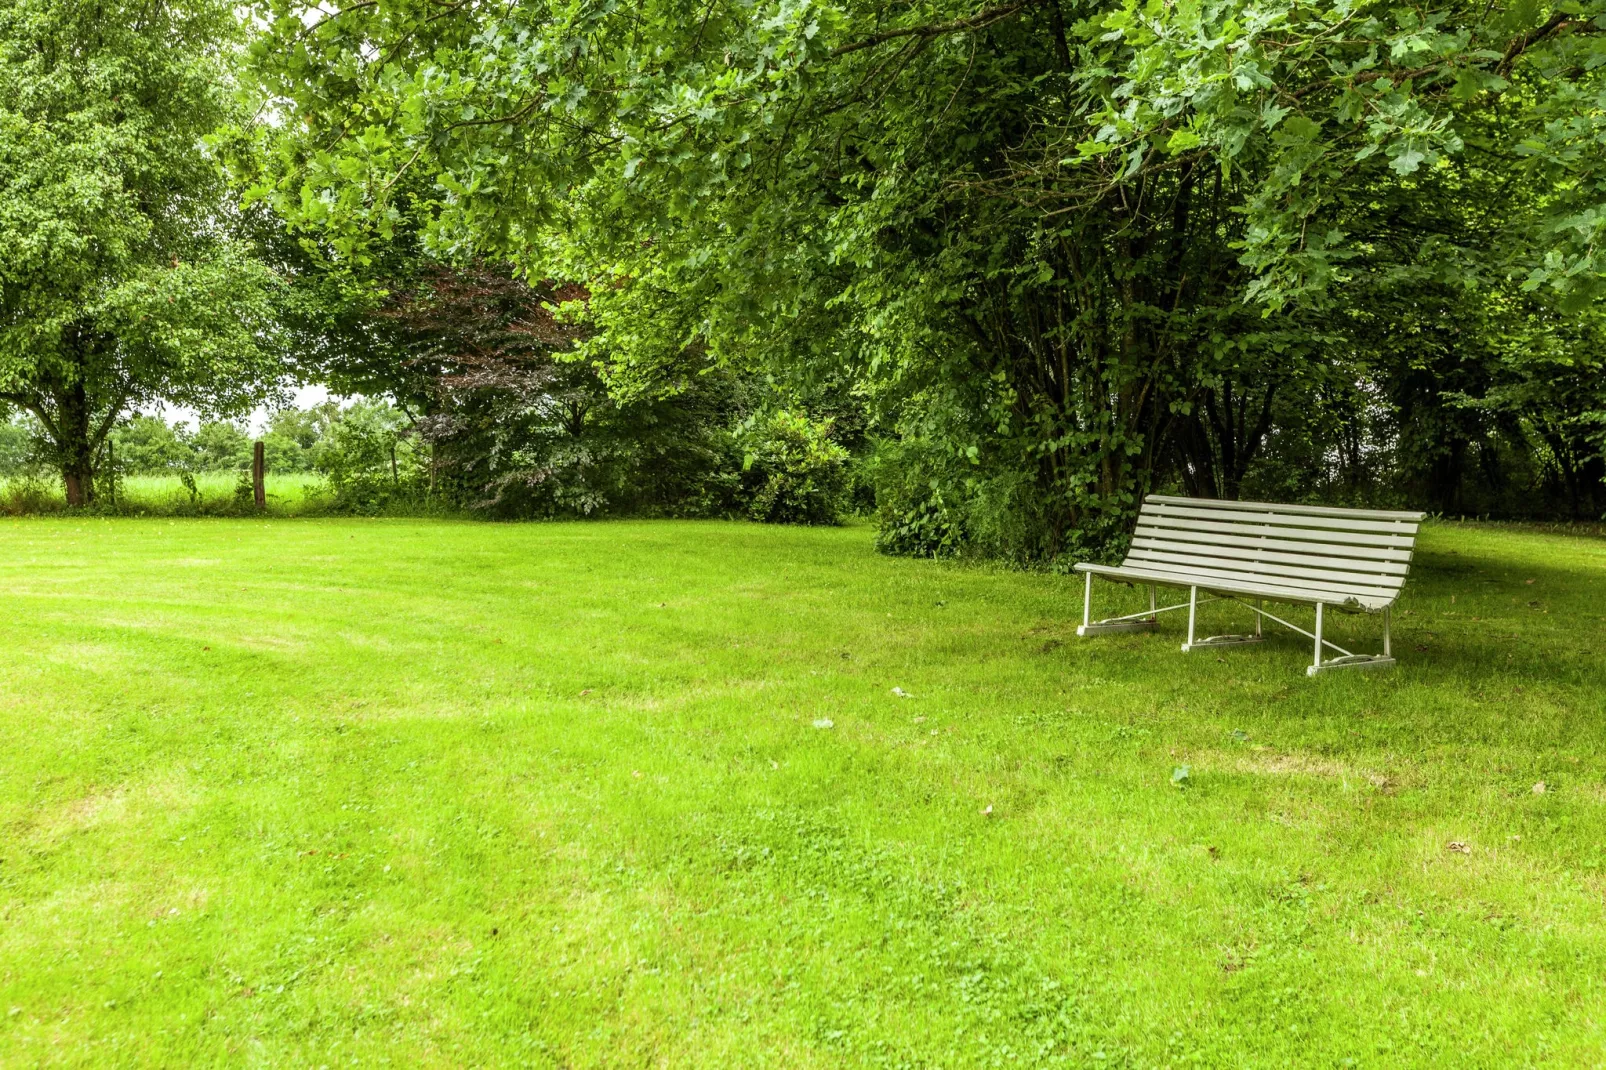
x: 429, y: 793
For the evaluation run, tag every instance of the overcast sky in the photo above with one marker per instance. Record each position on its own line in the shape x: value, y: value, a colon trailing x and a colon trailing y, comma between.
x: 304, y: 397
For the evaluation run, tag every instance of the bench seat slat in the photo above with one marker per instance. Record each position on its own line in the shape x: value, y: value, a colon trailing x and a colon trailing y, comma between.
x: 1274, y: 571
x: 1347, y: 558
x: 1295, y: 583
x: 1307, y: 510
x: 1305, y: 596
x: 1288, y: 520
x: 1255, y: 555
x: 1215, y: 539
x: 1402, y: 542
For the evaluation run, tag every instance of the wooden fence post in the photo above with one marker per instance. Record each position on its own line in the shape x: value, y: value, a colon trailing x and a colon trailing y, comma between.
x: 259, y: 472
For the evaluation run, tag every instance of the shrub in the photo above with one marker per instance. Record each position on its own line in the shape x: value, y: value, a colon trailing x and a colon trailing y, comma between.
x: 792, y: 472
x: 368, y: 457
x: 914, y: 513
x: 30, y: 492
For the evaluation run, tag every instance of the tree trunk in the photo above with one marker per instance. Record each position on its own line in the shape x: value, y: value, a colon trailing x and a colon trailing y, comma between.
x: 77, y: 454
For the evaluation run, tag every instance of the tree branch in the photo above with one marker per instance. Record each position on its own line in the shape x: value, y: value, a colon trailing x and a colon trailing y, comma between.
x: 934, y: 29
x: 1056, y: 21
x: 1522, y: 42
x: 312, y: 28
x: 1396, y: 76
x: 34, y: 406
x: 1519, y: 44
x: 111, y: 418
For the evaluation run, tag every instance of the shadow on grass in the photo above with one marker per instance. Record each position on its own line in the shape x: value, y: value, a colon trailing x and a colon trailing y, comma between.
x: 1467, y: 619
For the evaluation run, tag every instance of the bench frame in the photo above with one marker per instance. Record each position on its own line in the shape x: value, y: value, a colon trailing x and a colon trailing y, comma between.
x: 1146, y: 620
x: 1295, y: 544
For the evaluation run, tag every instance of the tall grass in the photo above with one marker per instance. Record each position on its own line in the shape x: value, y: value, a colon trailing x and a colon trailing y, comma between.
x: 212, y: 494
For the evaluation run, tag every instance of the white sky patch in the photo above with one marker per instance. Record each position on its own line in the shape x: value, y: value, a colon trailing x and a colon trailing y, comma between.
x: 303, y: 397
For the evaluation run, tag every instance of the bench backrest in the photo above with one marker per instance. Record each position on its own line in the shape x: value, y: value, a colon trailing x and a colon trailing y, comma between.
x: 1335, y: 555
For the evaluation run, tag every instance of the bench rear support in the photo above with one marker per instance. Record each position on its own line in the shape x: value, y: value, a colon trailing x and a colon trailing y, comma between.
x: 1220, y: 640
x: 1146, y: 621
x: 1143, y: 621
x: 1384, y: 660
x: 1345, y: 660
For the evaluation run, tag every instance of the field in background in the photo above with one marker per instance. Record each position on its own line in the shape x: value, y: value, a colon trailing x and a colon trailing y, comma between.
x: 286, y: 493
x: 436, y: 793
x: 292, y: 494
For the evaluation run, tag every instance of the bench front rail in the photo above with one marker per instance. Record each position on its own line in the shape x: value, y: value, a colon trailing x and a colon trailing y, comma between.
x: 1250, y: 553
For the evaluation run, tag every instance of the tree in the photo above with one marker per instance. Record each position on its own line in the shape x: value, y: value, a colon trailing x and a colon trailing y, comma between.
x: 1068, y: 249
x: 517, y: 417
x: 15, y: 447
x: 291, y: 437
x: 149, y: 444
x: 221, y: 446
x: 121, y: 279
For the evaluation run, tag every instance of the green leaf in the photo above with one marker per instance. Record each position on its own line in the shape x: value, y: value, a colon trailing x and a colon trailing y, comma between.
x: 1407, y: 160
x: 1182, y: 140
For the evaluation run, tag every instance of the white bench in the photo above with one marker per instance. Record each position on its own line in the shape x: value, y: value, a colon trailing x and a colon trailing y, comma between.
x: 1351, y: 559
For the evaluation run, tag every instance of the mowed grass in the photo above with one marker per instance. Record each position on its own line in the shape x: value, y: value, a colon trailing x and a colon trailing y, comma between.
x: 316, y: 793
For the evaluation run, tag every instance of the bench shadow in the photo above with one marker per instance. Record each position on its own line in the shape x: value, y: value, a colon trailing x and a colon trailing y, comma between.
x: 1473, y: 617
x: 1486, y: 616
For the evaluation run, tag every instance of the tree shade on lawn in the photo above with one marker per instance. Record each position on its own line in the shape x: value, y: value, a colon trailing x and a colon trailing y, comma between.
x: 451, y: 793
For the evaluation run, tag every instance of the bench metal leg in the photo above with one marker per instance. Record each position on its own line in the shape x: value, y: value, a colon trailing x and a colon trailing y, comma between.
x: 1219, y: 640
x: 1348, y: 660
x: 1317, y: 667
x: 1132, y: 622
x: 1193, y: 613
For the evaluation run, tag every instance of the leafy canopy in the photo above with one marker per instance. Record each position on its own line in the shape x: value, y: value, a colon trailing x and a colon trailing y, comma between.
x: 121, y: 278
x: 1067, y: 248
